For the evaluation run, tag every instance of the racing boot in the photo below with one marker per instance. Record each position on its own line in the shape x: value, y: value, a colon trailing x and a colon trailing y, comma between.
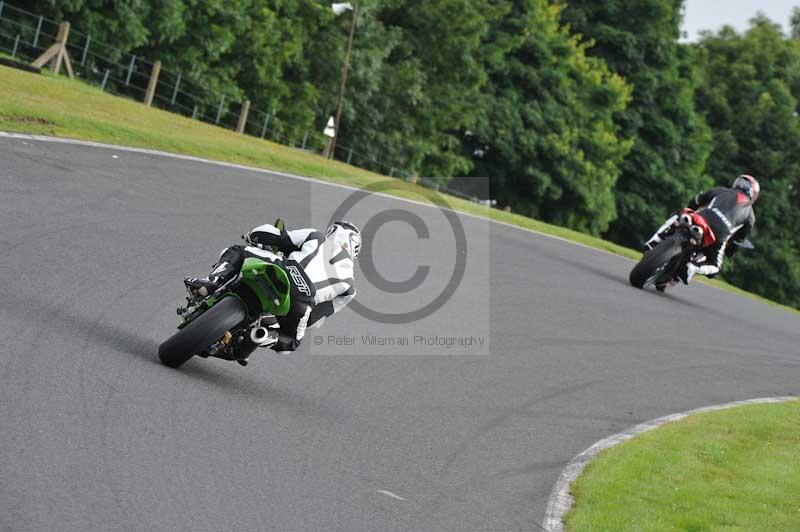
x: 200, y: 288
x: 687, y: 272
x: 663, y: 232
x: 203, y: 287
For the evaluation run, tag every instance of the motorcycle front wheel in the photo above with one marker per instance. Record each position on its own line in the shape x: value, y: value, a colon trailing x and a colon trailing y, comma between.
x: 203, y: 332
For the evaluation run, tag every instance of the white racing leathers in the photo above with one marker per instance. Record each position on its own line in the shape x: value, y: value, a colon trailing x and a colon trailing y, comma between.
x: 320, y: 271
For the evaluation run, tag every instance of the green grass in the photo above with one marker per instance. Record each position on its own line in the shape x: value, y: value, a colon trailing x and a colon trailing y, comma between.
x: 733, y: 470
x: 57, y: 106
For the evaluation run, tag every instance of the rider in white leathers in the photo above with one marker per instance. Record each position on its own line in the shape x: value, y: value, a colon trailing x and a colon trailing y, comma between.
x: 319, y: 267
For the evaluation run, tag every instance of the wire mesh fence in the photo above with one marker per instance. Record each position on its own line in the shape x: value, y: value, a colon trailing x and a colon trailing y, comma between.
x: 25, y: 36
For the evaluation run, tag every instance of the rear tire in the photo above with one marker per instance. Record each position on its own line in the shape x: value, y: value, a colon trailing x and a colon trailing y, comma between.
x: 657, y: 258
x: 205, y: 330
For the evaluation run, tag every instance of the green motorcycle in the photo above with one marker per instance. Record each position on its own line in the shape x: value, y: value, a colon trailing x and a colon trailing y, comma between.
x: 233, y: 321
x: 230, y: 323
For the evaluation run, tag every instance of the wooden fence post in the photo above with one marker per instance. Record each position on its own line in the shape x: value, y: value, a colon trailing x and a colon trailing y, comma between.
x: 243, y: 116
x: 152, y: 84
x: 57, y: 53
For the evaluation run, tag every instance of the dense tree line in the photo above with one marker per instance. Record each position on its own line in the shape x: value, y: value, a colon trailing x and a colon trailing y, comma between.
x: 638, y: 39
x: 588, y: 114
x: 750, y: 91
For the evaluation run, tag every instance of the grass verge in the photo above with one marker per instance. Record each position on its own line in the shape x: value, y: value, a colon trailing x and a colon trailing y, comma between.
x: 734, y: 469
x: 54, y: 105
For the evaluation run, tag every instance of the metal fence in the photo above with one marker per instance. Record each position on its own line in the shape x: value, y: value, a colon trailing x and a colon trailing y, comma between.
x: 25, y: 36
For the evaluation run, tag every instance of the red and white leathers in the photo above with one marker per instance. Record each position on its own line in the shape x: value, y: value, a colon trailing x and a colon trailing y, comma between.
x: 729, y: 213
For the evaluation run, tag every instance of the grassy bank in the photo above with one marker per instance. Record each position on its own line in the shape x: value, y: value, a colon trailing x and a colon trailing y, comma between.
x: 50, y: 105
x: 735, y: 469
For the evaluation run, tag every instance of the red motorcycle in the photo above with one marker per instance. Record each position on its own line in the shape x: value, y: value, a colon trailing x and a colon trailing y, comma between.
x: 664, y: 265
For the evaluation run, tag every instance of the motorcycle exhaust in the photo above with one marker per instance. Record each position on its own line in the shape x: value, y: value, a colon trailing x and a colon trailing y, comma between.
x: 685, y: 220
x: 696, y: 235
x: 258, y: 335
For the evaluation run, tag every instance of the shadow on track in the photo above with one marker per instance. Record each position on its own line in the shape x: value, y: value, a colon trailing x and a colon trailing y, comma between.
x: 213, y: 372
x: 77, y: 325
x: 667, y: 297
x: 121, y: 340
x: 589, y: 268
x: 226, y: 377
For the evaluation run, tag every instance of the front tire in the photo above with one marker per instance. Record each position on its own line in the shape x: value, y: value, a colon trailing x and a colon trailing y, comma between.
x: 202, y: 332
x: 654, y: 262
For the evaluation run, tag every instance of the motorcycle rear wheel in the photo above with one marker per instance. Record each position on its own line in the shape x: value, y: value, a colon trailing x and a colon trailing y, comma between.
x: 201, y: 333
x: 653, y: 264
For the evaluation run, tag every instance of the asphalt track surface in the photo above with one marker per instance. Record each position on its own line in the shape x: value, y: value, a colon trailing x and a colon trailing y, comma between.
x: 97, y: 435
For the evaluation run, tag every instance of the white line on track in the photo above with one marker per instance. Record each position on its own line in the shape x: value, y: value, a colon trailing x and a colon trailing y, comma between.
x: 561, y: 501
x: 391, y: 494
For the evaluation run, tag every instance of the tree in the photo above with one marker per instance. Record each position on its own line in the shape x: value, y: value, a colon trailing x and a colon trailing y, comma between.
x: 794, y: 23
x: 750, y: 92
x: 121, y: 24
x: 412, y: 81
x: 638, y: 39
x: 415, y: 84
x: 545, y: 133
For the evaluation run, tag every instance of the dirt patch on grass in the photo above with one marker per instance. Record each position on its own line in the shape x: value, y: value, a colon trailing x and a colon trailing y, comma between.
x: 30, y: 120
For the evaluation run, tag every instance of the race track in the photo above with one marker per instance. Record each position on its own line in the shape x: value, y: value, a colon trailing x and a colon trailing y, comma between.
x: 97, y: 435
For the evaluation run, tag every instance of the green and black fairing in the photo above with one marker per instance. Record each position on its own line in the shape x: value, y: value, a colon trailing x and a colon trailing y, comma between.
x: 263, y: 287
x: 233, y: 321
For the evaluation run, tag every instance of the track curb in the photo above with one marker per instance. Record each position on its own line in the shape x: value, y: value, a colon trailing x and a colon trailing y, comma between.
x: 560, y: 501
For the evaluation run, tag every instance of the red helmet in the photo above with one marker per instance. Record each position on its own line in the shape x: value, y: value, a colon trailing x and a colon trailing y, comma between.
x: 748, y: 185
